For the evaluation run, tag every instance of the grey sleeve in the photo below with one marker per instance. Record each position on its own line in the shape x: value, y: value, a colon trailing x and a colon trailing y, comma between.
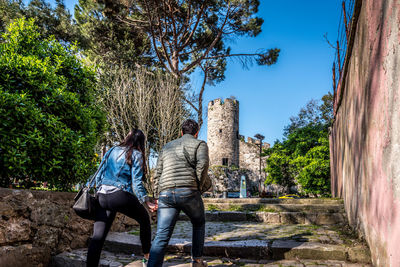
x: 202, y: 162
x: 157, y: 174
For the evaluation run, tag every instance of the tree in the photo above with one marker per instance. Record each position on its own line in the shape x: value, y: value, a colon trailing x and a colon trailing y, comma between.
x: 108, y: 42
x: 278, y: 166
x: 313, y: 113
x: 55, y: 21
x: 49, y: 124
x: 302, y: 158
x: 185, y: 35
x: 148, y: 100
x: 313, y: 169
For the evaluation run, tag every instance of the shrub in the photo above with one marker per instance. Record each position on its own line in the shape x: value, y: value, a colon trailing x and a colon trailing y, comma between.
x: 49, y: 123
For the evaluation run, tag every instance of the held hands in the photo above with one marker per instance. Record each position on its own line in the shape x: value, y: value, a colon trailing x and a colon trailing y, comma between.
x: 153, y: 205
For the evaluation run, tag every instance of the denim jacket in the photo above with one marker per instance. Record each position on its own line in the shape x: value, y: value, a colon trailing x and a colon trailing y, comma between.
x: 116, y: 172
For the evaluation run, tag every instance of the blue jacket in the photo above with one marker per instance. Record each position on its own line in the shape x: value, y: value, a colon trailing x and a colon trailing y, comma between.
x: 116, y: 172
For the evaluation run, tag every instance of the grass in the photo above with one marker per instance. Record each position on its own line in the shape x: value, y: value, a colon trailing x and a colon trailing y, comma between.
x: 265, y: 209
x: 233, y: 207
x: 212, y: 207
x: 134, y: 232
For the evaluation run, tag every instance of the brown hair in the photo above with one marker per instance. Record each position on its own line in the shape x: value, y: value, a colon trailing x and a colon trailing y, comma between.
x: 135, y: 140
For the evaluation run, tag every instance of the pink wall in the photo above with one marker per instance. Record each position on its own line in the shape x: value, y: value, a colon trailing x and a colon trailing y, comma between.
x: 365, y: 139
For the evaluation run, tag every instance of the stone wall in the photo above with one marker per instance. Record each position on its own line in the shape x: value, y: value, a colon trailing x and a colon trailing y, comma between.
x: 228, y: 180
x: 223, y: 131
x: 365, y: 138
x: 35, y: 225
x: 249, y: 158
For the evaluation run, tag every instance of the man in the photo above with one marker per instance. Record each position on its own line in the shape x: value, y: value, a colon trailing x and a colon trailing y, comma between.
x: 182, y: 171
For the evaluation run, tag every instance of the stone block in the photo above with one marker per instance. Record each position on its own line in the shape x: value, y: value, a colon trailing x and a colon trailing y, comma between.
x: 288, y: 249
x: 211, y: 216
x: 310, y: 218
x: 47, y: 236
x: 45, y: 212
x: 231, y: 216
x: 24, y: 255
x: 123, y: 223
x: 15, y: 230
x: 329, y: 218
x: 255, y: 217
x: 359, y: 254
x: 249, y: 249
x: 292, y: 217
x: 272, y: 217
x: 123, y: 243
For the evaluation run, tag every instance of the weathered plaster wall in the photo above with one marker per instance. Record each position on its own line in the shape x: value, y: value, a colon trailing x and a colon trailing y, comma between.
x: 35, y: 225
x: 365, y: 139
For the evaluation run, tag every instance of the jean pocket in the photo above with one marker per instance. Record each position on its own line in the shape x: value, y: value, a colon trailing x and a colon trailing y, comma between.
x: 188, y: 193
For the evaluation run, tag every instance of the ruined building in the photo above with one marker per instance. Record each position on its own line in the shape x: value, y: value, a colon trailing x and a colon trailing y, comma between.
x: 230, y: 155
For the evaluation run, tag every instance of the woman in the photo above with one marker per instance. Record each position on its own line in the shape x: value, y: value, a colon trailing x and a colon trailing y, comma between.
x: 120, y: 189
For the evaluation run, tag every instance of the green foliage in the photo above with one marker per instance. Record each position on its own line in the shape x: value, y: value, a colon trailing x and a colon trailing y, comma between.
x: 212, y: 207
x: 313, y: 113
x: 278, y: 166
x: 302, y: 158
x: 108, y: 41
x: 48, y: 122
x: 51, y: 21
x: 233, y: 207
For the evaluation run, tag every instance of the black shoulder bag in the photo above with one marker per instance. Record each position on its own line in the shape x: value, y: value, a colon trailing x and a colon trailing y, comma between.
x: 85, y: 203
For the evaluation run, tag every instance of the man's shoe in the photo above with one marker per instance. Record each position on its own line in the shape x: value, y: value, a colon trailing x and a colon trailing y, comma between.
x: 201, y: 263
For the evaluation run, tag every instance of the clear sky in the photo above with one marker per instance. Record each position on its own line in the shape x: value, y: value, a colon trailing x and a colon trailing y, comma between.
x: 269, y: 96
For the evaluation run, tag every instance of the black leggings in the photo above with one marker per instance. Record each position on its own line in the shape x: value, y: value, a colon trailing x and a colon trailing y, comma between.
x: 109, y: 205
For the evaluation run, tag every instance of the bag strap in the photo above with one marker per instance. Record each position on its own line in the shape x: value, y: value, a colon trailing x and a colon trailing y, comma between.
x: 98, y: 169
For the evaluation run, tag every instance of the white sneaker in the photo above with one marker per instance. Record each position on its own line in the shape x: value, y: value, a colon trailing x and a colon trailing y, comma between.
x: 201, y: 263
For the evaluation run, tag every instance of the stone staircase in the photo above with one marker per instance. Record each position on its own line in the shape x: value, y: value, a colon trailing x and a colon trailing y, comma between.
x: 275, y: 211
x: 270, y: 232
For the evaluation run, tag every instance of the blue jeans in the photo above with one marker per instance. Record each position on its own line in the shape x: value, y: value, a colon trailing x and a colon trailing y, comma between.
x: 170, y: 203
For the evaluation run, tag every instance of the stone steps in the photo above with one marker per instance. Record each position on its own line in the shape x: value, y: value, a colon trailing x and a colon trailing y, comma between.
x: 309, y: 217
x: 274, y: 207
x: 267, y: 232
x: 324, y: 201
x: 248, y: 249
x: 77, y: 258
x: 255, y: 241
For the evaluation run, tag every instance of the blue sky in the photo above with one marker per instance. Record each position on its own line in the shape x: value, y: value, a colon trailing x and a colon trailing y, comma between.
x: 269, y: 96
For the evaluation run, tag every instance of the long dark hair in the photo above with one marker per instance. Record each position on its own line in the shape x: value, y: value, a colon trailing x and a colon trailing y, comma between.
x: 135, y: 140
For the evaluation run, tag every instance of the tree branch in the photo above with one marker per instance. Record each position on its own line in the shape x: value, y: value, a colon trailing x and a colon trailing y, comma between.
x: 199, y: 14
x: 196, y: 62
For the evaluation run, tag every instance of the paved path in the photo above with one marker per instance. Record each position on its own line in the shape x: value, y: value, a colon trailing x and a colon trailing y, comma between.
x: 249, y: 232
x: 237, y: 231
x: 76, y: 259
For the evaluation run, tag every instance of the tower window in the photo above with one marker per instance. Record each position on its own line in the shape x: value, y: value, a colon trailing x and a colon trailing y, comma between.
x: 237, y: 134
x: 220, y: 130
x: 225, y: 161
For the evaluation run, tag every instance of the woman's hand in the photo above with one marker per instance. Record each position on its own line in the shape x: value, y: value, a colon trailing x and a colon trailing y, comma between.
x: 152, y: 206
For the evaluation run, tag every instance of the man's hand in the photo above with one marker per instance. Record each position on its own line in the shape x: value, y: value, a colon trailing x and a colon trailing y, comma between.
x: 153, y: 206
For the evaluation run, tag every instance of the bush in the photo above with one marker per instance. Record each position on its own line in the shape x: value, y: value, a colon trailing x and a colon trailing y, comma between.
x: 49, y: 124
x: 302, y: 159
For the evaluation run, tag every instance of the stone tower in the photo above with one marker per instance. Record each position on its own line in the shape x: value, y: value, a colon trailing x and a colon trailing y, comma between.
x: 223, y: 132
